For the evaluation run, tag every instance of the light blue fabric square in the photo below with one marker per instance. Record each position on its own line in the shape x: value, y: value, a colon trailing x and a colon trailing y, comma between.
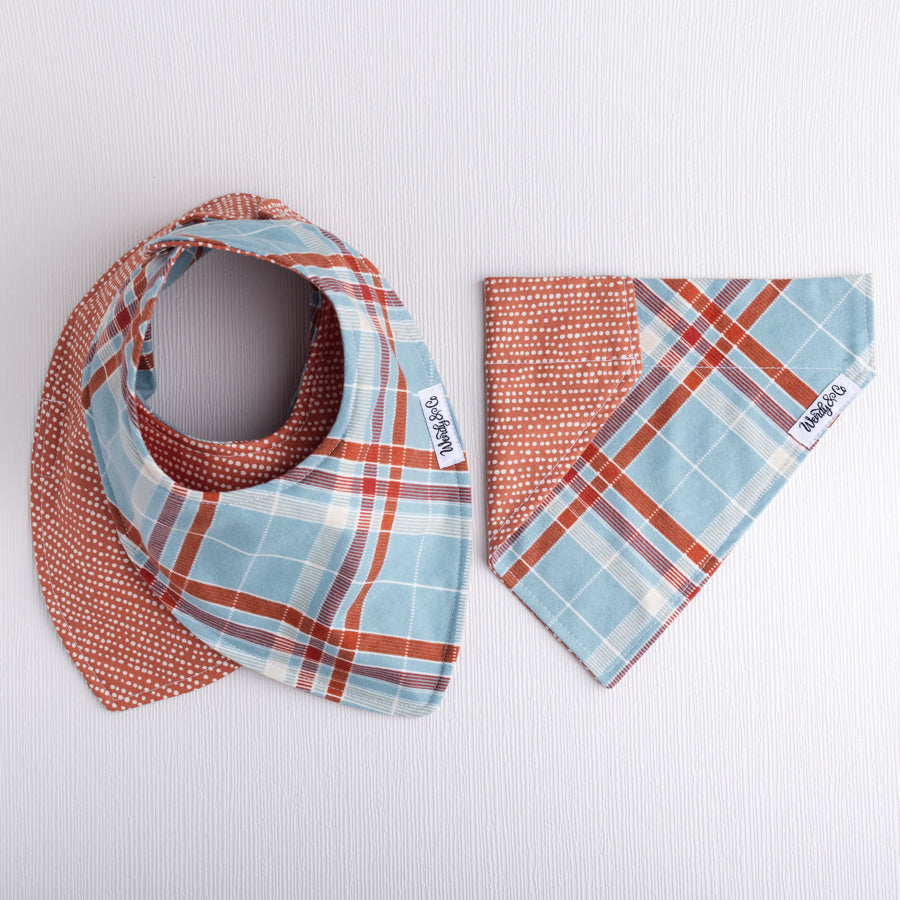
x: 696, y: 503
x: 732, y: 463
x: 693, y: 430
x: 657, y: 470
x: 782, y: 329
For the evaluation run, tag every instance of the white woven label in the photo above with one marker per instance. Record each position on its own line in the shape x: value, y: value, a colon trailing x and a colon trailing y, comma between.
x: 444, y: 438
x: 824, y: 410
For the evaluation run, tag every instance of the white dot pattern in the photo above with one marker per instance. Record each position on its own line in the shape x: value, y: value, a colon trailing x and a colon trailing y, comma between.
x: 560, y: 355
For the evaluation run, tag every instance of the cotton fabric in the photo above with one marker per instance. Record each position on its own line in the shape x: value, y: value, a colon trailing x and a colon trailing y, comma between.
x: 332, y: 555
x: 641, y: 495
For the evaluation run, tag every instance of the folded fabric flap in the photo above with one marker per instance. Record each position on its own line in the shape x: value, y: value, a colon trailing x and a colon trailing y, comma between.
x: 560, y: 354
x: 732, y: 369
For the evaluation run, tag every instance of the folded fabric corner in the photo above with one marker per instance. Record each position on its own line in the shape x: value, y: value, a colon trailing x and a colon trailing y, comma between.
x: 637, y: 427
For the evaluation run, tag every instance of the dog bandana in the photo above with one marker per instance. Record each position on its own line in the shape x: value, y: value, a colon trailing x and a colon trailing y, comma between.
x: 331, y: 555
x: 637, y: 427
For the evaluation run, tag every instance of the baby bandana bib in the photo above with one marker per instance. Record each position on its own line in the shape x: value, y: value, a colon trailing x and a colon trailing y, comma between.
x: 331, y: 555
x: 637, y: 427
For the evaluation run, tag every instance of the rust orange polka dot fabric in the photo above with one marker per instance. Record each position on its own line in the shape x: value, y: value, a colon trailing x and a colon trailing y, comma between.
x: 560, y: 355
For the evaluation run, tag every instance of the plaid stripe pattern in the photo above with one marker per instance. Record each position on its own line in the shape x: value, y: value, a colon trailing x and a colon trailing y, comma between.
x: 344, y: 575
x: 687, y: 461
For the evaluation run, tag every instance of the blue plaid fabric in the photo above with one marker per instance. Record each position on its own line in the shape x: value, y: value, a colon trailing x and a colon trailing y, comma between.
x: 344, y: 576
x: 688, y: 460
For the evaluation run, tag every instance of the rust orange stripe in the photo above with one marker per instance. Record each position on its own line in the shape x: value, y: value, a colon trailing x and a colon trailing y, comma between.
x: 192, y: 540
x: 652, y: 512
x: 735, y: 334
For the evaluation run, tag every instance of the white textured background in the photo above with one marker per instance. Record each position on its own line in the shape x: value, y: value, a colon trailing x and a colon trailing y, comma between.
x: 755, y: 750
